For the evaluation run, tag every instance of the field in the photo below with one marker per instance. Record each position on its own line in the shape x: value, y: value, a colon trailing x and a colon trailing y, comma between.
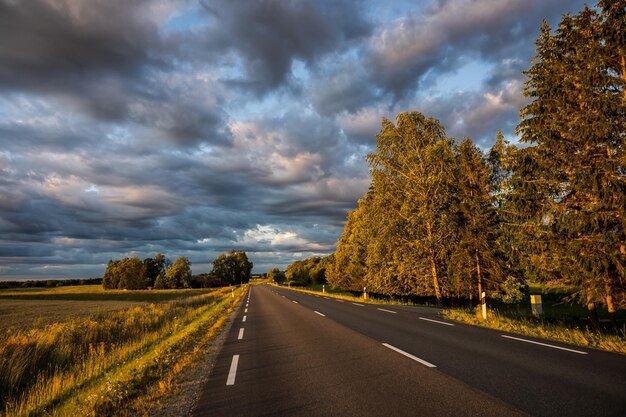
x: 85, y: 351
x: 35, y: 307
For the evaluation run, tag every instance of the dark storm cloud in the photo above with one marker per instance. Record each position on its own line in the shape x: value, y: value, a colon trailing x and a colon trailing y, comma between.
x: 51, y: 45
x: 270, y: 34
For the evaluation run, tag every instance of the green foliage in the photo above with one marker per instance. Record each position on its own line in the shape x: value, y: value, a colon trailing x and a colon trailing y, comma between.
x: 308, y: 271
x: 155, y: 267
x: 275, y: 275
x: 232, y: 268
x: 568, y: 188
x: 133, y: 274
x: 515, y: 290
x: 128, y: 274
x: 477, y: 261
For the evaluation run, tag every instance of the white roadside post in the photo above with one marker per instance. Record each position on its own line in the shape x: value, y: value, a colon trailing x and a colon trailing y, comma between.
x: 323, y: 288
x: 483, y: 302
x: 535, y: 305
x: 365, y: 293
x: 232, y: 292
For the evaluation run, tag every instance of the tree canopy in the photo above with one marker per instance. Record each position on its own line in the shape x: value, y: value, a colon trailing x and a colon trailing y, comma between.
x: 232, y: 268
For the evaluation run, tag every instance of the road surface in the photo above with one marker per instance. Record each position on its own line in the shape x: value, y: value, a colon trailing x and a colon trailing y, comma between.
x: 295, y: 354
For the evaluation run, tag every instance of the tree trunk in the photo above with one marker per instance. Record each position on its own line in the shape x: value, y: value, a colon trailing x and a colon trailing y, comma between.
x: 592, y: 314
x: 479, y: 278
x: 433, y: 266
x: 471, y: 295
x: 611, y: 307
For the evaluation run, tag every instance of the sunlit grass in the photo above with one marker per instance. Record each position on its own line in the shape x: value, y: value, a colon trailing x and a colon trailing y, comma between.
x: 580, y: 336
x: 94, y: 366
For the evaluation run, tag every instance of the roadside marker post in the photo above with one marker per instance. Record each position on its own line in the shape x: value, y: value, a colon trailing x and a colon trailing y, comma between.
x: 483, y: 302
x: 365, y: 293
x: 535, y: 305
x: 323, y: 288
x: 232, y: 292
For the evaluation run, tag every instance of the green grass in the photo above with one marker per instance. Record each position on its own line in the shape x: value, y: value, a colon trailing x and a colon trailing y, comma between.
x: 102, y: 365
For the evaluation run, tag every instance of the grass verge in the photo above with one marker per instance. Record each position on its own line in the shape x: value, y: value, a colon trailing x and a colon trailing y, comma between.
x: 579, y: 336
x: 101, y: 366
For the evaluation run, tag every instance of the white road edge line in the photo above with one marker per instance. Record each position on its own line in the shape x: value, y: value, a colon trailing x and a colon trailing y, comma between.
x: 387, y: 311
x: 341, y: 301
x: 244, y: 319
x: 408, y: 355
x: 544, y: 344
x: 436, y: 321
x: 360, y: 305
x: 240, y: 334
x: 317, y: 312
x: 233, y: 370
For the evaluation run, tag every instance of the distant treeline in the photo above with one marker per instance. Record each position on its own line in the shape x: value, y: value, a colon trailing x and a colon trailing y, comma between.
x: 303, y: 272
x: 49, y: 283
x: 160, y: 273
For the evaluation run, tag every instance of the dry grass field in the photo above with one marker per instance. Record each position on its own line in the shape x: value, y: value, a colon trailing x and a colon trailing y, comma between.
x: 85, y: 351
x: 15, y: 313
x: 36, y: 307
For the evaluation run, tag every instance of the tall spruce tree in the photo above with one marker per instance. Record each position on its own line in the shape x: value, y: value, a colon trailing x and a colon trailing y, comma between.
x: 569, y: 186
x: 476, y: 258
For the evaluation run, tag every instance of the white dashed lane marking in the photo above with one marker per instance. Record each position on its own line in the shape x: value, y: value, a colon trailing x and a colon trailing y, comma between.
x: 233, y: 370
x: 408, y: 355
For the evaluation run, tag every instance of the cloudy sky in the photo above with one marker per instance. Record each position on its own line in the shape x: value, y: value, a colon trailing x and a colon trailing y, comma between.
x: 194, y: 127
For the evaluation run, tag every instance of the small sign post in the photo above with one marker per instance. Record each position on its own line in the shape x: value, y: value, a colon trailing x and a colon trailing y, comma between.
x: 535, y: 305
x: 483, y: 305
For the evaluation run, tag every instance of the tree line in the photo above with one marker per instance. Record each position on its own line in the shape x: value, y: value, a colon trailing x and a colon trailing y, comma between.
x: 444, y: 219
x: 303, y: 272
x: 159, y: 272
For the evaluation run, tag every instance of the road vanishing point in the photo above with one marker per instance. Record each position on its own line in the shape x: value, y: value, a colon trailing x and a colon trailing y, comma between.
x: 290, y: 353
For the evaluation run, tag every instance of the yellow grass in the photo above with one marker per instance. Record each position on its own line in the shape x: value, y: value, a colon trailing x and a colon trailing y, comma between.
x: 530, y: 327
x: 97, y: 365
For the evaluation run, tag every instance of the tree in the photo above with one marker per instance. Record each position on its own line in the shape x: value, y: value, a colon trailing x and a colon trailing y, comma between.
x: 233, y: 267
x: 348, y: 269
x: 111, y: 277
x: 414, y: 167
x: 179, y: 275
x: 476, y: 258
x: 155, y: 267
x: 128, y: 273
x: 276, y: 276
x: 573, y: 173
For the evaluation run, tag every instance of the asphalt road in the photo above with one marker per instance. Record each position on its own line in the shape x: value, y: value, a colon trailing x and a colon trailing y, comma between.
x: 295, y: 354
